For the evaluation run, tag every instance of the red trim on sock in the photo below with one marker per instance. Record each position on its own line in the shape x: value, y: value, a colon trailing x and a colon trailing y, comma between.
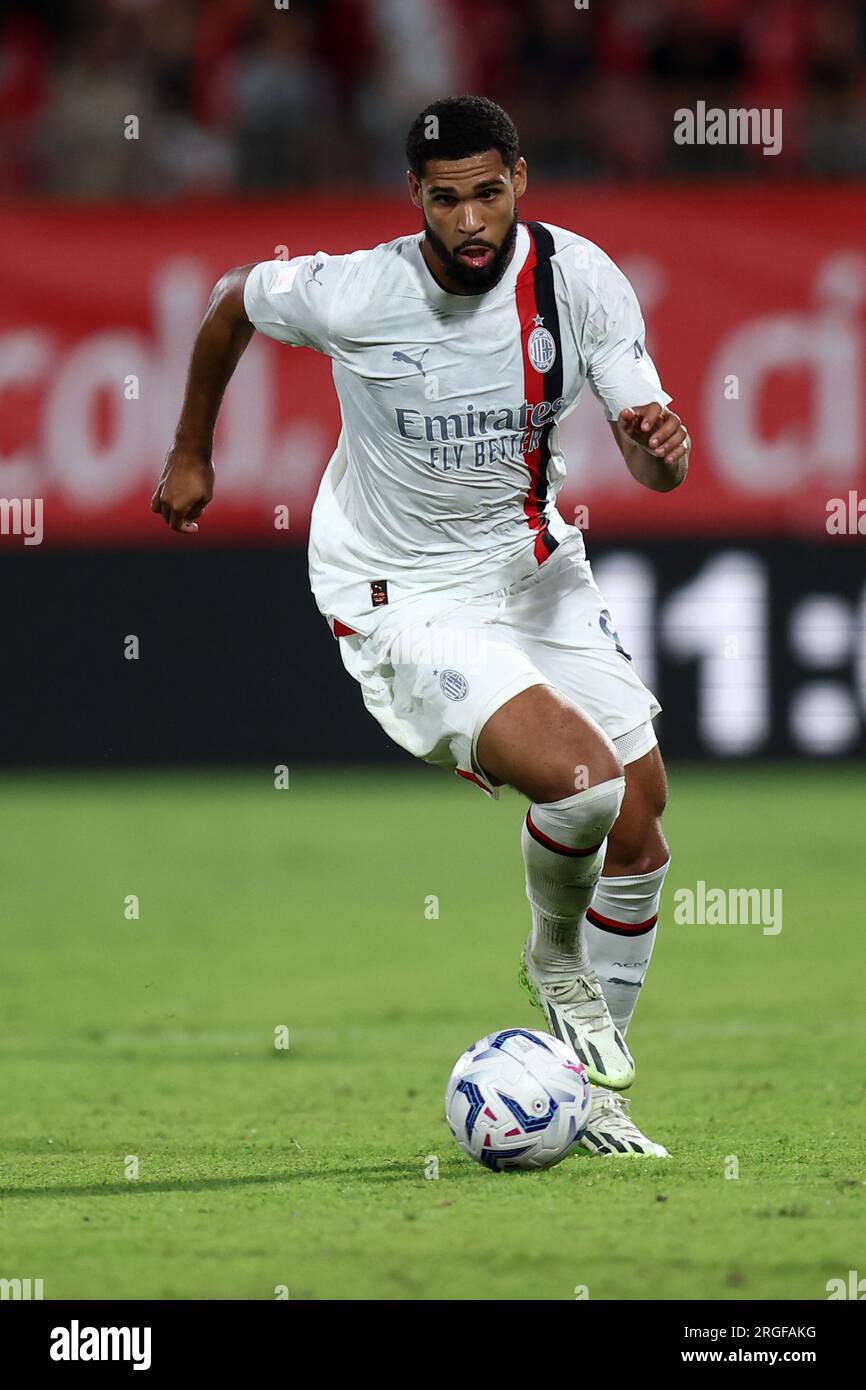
x: 545, y: 840
x: 623, y: 928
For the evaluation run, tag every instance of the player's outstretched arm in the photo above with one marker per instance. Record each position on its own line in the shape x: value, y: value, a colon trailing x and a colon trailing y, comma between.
x: 655, y: 445
x: 186, y: 484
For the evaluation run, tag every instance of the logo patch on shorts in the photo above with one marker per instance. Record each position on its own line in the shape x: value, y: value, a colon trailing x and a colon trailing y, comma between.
x: 454, y: 686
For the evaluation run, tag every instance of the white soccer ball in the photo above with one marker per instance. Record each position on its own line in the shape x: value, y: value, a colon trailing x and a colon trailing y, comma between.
x: 518, y: 1099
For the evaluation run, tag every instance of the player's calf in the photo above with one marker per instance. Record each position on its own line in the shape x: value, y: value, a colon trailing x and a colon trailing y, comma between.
x: 549, y: 749
x: 620, y: 925
x: 563, y: 844
x: 543, y: 745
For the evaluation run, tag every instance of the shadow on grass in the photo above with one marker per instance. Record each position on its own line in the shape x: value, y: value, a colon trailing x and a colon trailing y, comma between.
x: 374, y: 1173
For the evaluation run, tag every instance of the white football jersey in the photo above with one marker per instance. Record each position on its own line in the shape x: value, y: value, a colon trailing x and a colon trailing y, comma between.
x: 448, y: 464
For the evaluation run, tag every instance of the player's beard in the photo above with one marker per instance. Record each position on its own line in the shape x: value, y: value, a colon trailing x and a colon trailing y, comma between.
x: 475, y: 281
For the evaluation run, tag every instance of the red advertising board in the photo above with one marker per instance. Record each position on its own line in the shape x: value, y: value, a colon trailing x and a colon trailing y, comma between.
x: 754, y: 302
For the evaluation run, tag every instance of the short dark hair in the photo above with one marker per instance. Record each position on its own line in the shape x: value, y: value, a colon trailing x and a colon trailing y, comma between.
x: 462, y: 126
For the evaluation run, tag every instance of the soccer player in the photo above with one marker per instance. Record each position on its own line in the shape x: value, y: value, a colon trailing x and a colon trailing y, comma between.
x: 462, y: 602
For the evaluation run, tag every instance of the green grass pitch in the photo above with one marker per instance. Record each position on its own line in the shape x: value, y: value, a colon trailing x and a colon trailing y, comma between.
x: 308, y: 909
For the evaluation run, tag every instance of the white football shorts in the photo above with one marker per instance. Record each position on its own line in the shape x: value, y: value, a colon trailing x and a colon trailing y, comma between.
x: 436, y: 668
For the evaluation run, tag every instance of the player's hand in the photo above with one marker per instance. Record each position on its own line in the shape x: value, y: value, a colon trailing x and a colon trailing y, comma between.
x: 656, y: 429
x: 184, y: 489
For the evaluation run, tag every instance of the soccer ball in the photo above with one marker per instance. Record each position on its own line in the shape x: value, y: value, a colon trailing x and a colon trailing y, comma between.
x: 518, y: 1099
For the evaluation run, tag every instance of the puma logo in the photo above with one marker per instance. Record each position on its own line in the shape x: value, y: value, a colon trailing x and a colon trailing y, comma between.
x: 412, y: 361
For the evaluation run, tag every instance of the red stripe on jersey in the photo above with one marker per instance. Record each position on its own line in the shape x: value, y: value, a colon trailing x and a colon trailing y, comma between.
x: 341, y: 630
x: 533, y: 387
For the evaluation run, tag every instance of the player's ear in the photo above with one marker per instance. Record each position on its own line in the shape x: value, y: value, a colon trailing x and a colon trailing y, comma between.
x: 519, y: 177
x: 414, y: 187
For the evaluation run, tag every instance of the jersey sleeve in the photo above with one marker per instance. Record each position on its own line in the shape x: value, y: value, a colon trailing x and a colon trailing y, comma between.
x: 620, y: 370
x: 291, y: 301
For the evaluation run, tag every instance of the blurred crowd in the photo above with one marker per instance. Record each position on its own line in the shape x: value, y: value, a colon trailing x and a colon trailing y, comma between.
x: 265, y: 95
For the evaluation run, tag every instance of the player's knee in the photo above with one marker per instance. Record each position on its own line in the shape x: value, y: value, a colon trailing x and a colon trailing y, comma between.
x: 573, y: 776
x: 640, y: 850
x: 581, y: 821
x: 597, y: 808
x: 659, y: 798
x: 582, y: 764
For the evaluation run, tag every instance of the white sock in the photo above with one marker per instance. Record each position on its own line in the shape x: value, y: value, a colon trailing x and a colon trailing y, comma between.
x: 563, y: 845
x: 620, y: 933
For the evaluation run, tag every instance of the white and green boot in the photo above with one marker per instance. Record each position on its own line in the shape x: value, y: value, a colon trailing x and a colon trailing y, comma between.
x: 577, y: 1014
x: 611, y: 1131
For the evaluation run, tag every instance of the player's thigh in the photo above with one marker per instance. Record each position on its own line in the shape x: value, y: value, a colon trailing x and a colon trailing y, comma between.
x: 544, y: 745
x: 636, y: 844
x: 435, y: 672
